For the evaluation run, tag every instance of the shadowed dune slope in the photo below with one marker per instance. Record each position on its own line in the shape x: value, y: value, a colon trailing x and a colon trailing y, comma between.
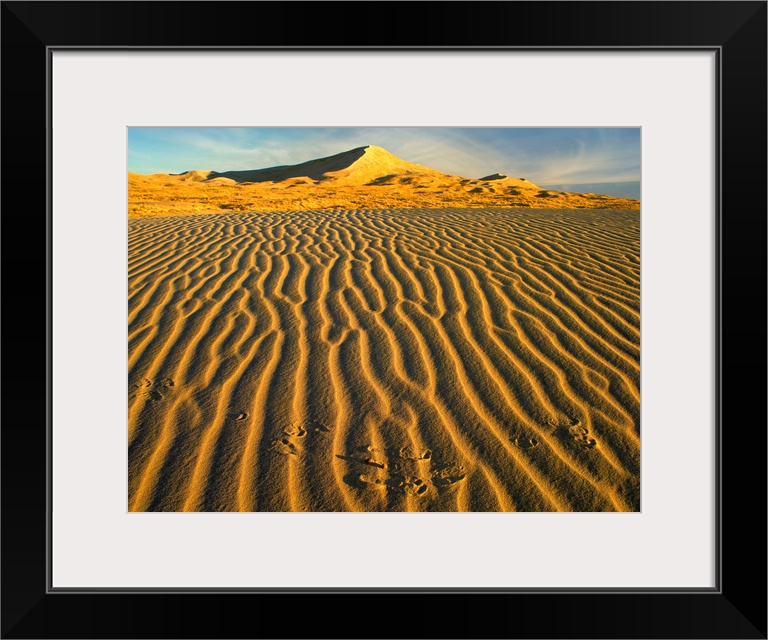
x: 385, y: 360
x: 366, y: 177
x: 356, y: 166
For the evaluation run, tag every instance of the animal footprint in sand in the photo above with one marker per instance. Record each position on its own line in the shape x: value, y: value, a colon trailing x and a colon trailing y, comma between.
x: 153, y: 391
x: 408, y: 453
x: 582, y: 440
x: 295, y: 431
x: 525, y: 443
x: 448, y: 475
x: 403, y: 470
x: 285, y: 447
x: 564, y: 422
x: 395, y: 482
x: 288, y: 443
x: 573, y: 433
x: 576, y: 435
x: 313, y: 426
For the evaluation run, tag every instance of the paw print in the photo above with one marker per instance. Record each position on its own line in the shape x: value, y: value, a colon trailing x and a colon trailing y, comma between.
x: 153, y: 391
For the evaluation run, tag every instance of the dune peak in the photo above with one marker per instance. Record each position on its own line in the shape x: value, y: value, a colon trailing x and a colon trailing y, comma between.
x: 368, y: 176
x: 494, y: 176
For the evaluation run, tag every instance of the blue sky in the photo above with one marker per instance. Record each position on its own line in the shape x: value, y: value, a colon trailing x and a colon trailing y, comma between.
x: 545, y: 156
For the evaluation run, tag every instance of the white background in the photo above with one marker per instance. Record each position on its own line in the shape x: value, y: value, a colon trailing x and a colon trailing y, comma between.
x: 96, y: 96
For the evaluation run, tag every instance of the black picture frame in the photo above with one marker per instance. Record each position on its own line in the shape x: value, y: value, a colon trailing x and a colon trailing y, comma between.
x: 735, y: 608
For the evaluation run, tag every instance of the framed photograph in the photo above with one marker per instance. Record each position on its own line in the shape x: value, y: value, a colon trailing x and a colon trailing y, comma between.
x: 435, y: 314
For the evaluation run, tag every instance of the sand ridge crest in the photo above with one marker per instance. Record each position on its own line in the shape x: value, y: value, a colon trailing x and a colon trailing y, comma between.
x: 364, y: 177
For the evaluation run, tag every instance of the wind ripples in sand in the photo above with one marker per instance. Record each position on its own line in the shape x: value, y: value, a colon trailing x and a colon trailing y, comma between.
x: 385, y: 360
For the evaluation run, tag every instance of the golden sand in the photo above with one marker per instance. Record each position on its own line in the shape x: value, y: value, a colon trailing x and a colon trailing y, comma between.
x: 457, y: 359
x: 364, y: 178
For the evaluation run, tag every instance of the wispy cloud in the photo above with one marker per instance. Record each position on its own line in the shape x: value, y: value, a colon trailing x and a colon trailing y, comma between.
x: 543, y: 155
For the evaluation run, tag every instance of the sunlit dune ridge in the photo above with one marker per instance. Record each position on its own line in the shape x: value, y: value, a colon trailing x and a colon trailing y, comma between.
x: 365, y: 177
x: 385, y: 360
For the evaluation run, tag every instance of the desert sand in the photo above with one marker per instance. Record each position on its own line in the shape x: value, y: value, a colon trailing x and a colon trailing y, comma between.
x: 361, y: 333
x: 455, y: 359
x: 363, y: 178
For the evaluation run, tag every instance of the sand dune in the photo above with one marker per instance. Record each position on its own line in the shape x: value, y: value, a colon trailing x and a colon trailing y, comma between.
x: 354, y: 167
x: 385, y: 360
x: 366, y: 177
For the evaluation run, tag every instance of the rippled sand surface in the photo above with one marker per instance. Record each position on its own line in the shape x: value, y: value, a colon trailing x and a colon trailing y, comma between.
x: 385, y: 360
